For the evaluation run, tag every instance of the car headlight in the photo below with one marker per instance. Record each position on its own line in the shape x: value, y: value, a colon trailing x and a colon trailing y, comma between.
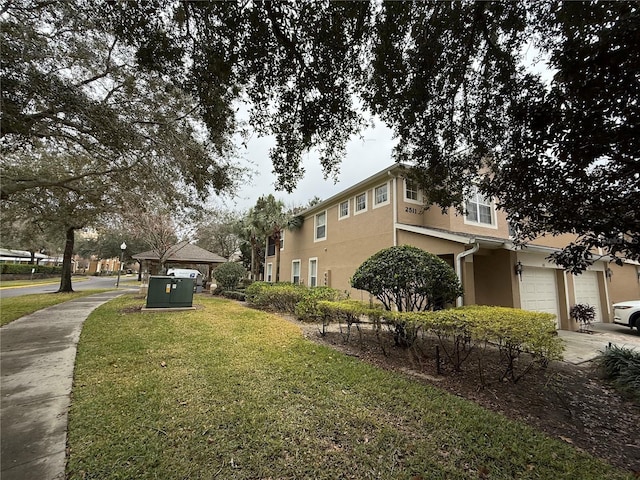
x: 625, y: 307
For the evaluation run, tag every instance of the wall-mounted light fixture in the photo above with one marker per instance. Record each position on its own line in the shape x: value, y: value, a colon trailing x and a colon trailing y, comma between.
x: 609, y: 273
x: 518, y: 269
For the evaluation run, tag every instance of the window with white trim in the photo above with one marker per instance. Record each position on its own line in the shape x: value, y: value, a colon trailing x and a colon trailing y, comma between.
x: 269, y: 272
x: 479, y: 209
x: 381, y: 195
x: 411, y: 191
x: 295, y: 272
x: 361, y: 203
x: 313, y: 272
x: 321, y: 226
x: 271, y: 246
x: 282, y: 239
x: 343, y: 210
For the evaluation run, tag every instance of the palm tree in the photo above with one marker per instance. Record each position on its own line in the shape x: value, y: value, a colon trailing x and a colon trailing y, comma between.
x: 271, y: 220
x: 250, y: 229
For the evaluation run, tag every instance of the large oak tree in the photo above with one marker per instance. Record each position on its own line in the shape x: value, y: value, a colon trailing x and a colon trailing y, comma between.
x: 86, y: 134
x: 558, y: 149
x: 450, y: 78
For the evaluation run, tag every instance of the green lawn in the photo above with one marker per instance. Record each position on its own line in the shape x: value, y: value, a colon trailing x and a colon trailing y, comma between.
x: 28, y: 283
x: 16, y: 307
x: 232, y: 393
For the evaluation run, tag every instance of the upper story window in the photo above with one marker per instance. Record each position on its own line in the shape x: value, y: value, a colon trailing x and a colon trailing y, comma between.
x: 271, y: 244
x: 479, y: 209
x: 381, y: 195
x: 411, y: 191
x: 361, y: 203
x: 321, y: 226
x: 343, y: 210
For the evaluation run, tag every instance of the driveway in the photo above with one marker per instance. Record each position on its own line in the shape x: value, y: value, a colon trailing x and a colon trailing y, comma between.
x: 582, y: 347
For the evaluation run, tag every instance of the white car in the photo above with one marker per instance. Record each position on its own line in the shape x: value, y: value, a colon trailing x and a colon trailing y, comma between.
x: 627, y: 314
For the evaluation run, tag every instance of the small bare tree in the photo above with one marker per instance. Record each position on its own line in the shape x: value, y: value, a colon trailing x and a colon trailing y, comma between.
x: 158, y: 230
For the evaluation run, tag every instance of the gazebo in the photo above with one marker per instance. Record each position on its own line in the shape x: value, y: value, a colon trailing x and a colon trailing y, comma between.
x: 183, y: 255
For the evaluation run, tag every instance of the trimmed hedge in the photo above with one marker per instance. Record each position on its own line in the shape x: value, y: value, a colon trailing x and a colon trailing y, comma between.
x: 290, y: 298
x: 281, y: 297
x: 229, y: 274
x: 460, y: 330
x: 307, y: 309
x: 24, y: 268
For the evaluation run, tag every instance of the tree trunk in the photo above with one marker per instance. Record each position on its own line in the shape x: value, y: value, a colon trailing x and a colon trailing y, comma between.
x: 33, y: 257
x: 254, y: 266
x: 65, y: 281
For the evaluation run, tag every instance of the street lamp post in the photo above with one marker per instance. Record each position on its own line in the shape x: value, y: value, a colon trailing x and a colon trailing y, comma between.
x: 123, y: 247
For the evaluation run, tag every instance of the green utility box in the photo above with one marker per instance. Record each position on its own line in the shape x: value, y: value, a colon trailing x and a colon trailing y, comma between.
x: 169, y: 292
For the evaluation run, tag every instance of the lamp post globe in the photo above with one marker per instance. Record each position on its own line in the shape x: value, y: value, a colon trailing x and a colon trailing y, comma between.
x: 123, y: 247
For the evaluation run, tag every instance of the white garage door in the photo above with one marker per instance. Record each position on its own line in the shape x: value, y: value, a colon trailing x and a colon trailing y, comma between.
x: 587, y: 291
x: 539, y: 291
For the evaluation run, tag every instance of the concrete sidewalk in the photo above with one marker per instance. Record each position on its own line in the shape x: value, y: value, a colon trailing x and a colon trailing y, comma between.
x: 37, y: 358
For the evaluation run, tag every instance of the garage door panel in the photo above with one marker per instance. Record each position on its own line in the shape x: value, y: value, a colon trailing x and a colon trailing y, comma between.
x: 539, y: 291
x: 587, y: 291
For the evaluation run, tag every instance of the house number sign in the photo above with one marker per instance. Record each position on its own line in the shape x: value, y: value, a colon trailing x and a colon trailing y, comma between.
x: 417, y: 211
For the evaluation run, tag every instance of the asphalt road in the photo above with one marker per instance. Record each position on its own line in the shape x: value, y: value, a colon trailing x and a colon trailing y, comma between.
x: 89, y: 284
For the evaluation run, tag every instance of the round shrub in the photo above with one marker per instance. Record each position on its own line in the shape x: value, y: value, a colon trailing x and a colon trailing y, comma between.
x: 409, y: 278
x: 229, y: 274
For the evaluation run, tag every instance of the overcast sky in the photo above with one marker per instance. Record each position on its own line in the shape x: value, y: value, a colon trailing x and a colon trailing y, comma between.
x: 365, y: 156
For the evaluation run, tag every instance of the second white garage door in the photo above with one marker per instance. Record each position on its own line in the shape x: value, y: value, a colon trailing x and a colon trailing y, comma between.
x: 587, y: 291
x: 539, y: 291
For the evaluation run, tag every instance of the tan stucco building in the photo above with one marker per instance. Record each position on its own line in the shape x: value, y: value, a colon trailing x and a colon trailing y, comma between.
x: 341, y: 232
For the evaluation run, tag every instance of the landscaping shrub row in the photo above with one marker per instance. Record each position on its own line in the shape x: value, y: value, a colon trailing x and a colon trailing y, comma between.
x: 456, y: 331
x: 290, y: 298
x: 460, y: 330
x: 24, y: 268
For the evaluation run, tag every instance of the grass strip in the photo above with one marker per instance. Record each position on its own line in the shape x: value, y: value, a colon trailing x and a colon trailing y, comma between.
x: 15, y: 307
x: 232, y: 393
x: 28, y: 283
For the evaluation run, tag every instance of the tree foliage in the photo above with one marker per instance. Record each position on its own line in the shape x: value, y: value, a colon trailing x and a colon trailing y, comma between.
x: 75, y: 107
x: 85, y: 134
x: 157, y: 229
x: 408, y: 279
x: 296, y: 63
x: 452, y: 80
x: 560, y: 154
x: 151, y: 89
x: 219, y: 233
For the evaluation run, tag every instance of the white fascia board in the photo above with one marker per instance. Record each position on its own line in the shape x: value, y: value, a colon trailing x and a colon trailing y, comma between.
x: 453, y: 237
x: 349, y: 192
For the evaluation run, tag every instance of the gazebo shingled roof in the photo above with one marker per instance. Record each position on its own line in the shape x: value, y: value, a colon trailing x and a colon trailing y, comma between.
x: 183, y: 252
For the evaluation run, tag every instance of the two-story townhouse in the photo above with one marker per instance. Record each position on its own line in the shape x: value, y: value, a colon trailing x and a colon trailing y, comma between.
x: 386, y: 209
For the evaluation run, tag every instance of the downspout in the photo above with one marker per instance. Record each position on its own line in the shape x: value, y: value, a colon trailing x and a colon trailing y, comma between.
x: 459, y: 258
x: 395, y: 207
